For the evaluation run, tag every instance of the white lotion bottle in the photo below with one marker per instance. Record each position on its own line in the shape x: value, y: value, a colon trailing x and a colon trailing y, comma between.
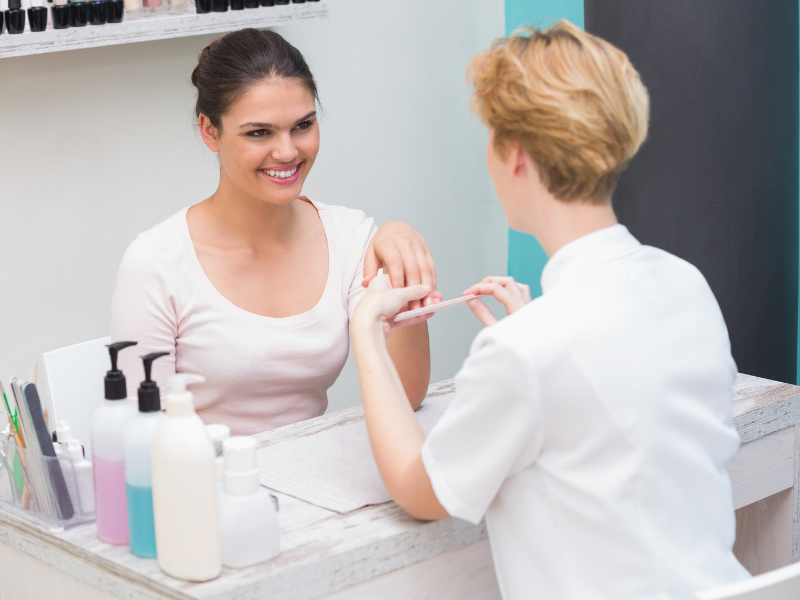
x: 185, y: 489
x: 80, y: 482
x: 108, y: 456
x: 247, y: 518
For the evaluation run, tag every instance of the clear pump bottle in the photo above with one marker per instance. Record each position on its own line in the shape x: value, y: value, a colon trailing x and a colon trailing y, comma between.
x: 108, y: 456
x: 138, y: 477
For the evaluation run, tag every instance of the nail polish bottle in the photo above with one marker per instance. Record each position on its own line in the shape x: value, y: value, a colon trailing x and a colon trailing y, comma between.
x: 278, y: 2
x: 202, y: 6
x: 298, y: 1
x: 267, y: 2
x: 2, y: 21
x: 37, y: 16
x: 133, y: 8
x: 151, y: 6
x: 219, y: 5
x: 15, y: 17
x: 115, y: 10
x: 59, y: 14
x: 237, y: 4
x: 251, y: 3
x: 77, y: 14
x: 99, y: 12
x: 177, y: 6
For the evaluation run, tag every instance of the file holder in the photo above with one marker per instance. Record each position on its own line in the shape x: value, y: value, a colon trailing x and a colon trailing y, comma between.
x: 31, y: 487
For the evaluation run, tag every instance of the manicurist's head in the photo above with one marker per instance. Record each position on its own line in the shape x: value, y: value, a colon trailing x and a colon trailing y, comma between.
x: 566, y: 112
x: 256, y: 108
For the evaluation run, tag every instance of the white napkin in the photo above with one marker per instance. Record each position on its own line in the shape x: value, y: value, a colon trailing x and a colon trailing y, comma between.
x: 334, y: 469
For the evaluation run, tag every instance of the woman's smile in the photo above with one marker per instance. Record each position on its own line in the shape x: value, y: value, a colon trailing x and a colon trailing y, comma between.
x: 284, y: 174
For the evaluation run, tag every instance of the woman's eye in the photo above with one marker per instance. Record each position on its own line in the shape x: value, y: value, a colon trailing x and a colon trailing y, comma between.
x: 304, y: 125
x: 258, y: 133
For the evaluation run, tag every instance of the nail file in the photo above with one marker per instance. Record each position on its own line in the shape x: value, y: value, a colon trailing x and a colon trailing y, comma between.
x: 410, y: 314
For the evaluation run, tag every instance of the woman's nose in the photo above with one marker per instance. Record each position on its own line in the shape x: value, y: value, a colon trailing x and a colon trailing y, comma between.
x: 285, y: 150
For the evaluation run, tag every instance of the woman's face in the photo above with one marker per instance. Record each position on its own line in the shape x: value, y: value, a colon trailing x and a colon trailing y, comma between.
x: 268, y: 141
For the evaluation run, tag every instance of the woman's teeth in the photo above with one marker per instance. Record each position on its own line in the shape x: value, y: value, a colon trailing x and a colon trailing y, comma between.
x: 281, y: 174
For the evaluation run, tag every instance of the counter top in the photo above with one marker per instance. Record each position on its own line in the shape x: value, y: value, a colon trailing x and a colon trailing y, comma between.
x: 323, y: 552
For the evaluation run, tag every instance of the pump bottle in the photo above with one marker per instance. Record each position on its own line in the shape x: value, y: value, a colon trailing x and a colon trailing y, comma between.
x: 79, y: 477
x: 138, y: 480
x: 247, y: 518
x: 108, y: 456
x: 185, y: 489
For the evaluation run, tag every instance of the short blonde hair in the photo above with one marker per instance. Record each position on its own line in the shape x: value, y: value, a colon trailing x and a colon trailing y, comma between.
x: 571, y: 100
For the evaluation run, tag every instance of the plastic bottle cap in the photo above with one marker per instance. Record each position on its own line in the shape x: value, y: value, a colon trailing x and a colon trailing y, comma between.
x: 74, y: 450
x: 180, y: 402
x: 240, y: 473
x: 149, y: 394
x: 63, y: 432
x: 116, y: 387
x: 218, y: 433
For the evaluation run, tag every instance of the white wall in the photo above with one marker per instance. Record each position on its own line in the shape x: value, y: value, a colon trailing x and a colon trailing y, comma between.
x: 98, y: 145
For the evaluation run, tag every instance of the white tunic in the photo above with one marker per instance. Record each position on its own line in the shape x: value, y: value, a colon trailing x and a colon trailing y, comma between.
x: 261, y: 372
x: 592, y: 428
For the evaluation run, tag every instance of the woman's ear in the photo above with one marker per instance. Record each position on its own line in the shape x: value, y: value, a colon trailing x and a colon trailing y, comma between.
x: 209, y: 133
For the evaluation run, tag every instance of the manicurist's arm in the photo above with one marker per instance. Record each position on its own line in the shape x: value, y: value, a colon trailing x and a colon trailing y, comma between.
x: 395, y: 434
x: 401, y: 251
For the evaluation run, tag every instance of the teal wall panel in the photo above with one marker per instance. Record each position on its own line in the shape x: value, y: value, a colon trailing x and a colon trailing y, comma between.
x: 526, y: 259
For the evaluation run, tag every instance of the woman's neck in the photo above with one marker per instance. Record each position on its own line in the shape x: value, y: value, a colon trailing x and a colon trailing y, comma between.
x: 242, y: 219
x: 560, y: 223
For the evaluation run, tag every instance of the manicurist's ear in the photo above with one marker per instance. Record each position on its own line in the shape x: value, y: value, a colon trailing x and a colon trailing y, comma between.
x: 516, y: 163
x: 209, y: 133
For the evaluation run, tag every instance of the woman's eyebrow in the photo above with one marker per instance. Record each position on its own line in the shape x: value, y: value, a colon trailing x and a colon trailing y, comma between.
x: 313, y: 113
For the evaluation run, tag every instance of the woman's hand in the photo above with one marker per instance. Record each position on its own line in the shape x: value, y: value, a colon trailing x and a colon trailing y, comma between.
x: 505, y: 290
x: 382, y: 302
x: 404, y: 256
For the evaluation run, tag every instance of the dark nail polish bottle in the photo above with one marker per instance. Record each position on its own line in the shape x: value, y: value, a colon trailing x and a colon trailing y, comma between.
x: 77, y: 14
x: 298, y: 1
x: 60, y: 16
x: 237, y: 4
x: 202, y: 6
x: 2, y: 21
x: 115, y: 10
x: 15, y: 17
x: 267, y: 2
x: 99, y: 12
x: 281, y: 1
x: 37, y: 16
x: 251, y: 3
x: 219, y: 5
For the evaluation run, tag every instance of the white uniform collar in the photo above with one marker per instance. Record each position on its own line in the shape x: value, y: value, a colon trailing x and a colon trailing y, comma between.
x: 592, y: 249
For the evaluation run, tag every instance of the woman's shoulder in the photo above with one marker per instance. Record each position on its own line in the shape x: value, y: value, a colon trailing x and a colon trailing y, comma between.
x: 351, y: 224
x: 157, y: 247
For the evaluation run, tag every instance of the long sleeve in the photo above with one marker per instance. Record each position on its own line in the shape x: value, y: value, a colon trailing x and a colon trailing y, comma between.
x: 144, y: 310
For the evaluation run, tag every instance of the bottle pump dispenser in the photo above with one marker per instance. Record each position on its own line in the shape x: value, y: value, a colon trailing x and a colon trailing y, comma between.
x: 108, y: 457
x: 138, y: 477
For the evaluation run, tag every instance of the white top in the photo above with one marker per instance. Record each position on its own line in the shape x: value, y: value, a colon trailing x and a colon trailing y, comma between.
x: 592, y: 428
x: 261, y: 372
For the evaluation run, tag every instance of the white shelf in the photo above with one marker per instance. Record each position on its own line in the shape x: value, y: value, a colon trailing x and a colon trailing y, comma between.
x: 157, y: 28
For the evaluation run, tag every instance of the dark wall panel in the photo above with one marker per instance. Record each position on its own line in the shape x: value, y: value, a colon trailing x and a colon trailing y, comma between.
x: 716, y: 183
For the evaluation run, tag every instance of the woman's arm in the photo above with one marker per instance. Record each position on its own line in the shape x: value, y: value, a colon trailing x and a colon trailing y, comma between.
x: 410, y: 351
x: 401, y: 251
x: 395, y: 434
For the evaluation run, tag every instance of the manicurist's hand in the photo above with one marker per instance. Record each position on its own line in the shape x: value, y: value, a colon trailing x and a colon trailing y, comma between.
x: 509, y: 293
x: 401, y: 251
x: 382, y: 302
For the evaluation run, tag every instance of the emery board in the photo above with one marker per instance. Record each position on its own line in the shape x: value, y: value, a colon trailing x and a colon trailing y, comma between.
x: 410, y: 314
x: 54, y: 477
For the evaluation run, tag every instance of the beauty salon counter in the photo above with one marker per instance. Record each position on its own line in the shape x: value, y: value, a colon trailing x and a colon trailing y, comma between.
x: 380, y: 552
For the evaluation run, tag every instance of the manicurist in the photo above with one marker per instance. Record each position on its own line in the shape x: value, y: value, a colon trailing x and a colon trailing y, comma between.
x: 254, y: 287
x: 590, y: 427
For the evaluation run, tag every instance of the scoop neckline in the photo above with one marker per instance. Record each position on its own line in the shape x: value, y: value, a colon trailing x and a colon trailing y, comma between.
x: 298, y: 320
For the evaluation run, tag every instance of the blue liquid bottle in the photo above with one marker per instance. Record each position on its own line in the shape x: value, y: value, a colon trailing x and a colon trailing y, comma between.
x: 138, y: 477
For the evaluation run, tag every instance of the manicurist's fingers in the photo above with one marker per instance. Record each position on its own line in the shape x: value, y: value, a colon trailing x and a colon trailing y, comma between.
x: 482, y: 311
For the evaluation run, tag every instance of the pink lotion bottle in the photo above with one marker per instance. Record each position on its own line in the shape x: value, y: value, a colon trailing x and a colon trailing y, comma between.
x: 108, y: 454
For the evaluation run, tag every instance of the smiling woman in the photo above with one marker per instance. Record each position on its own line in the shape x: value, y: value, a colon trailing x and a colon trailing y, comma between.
x: 254, y: 286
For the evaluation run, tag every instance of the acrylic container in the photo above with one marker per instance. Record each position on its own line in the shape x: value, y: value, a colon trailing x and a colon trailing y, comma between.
x: 42, y: 489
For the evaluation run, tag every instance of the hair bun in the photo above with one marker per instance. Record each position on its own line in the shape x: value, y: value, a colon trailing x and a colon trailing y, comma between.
x: 202, y: 58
